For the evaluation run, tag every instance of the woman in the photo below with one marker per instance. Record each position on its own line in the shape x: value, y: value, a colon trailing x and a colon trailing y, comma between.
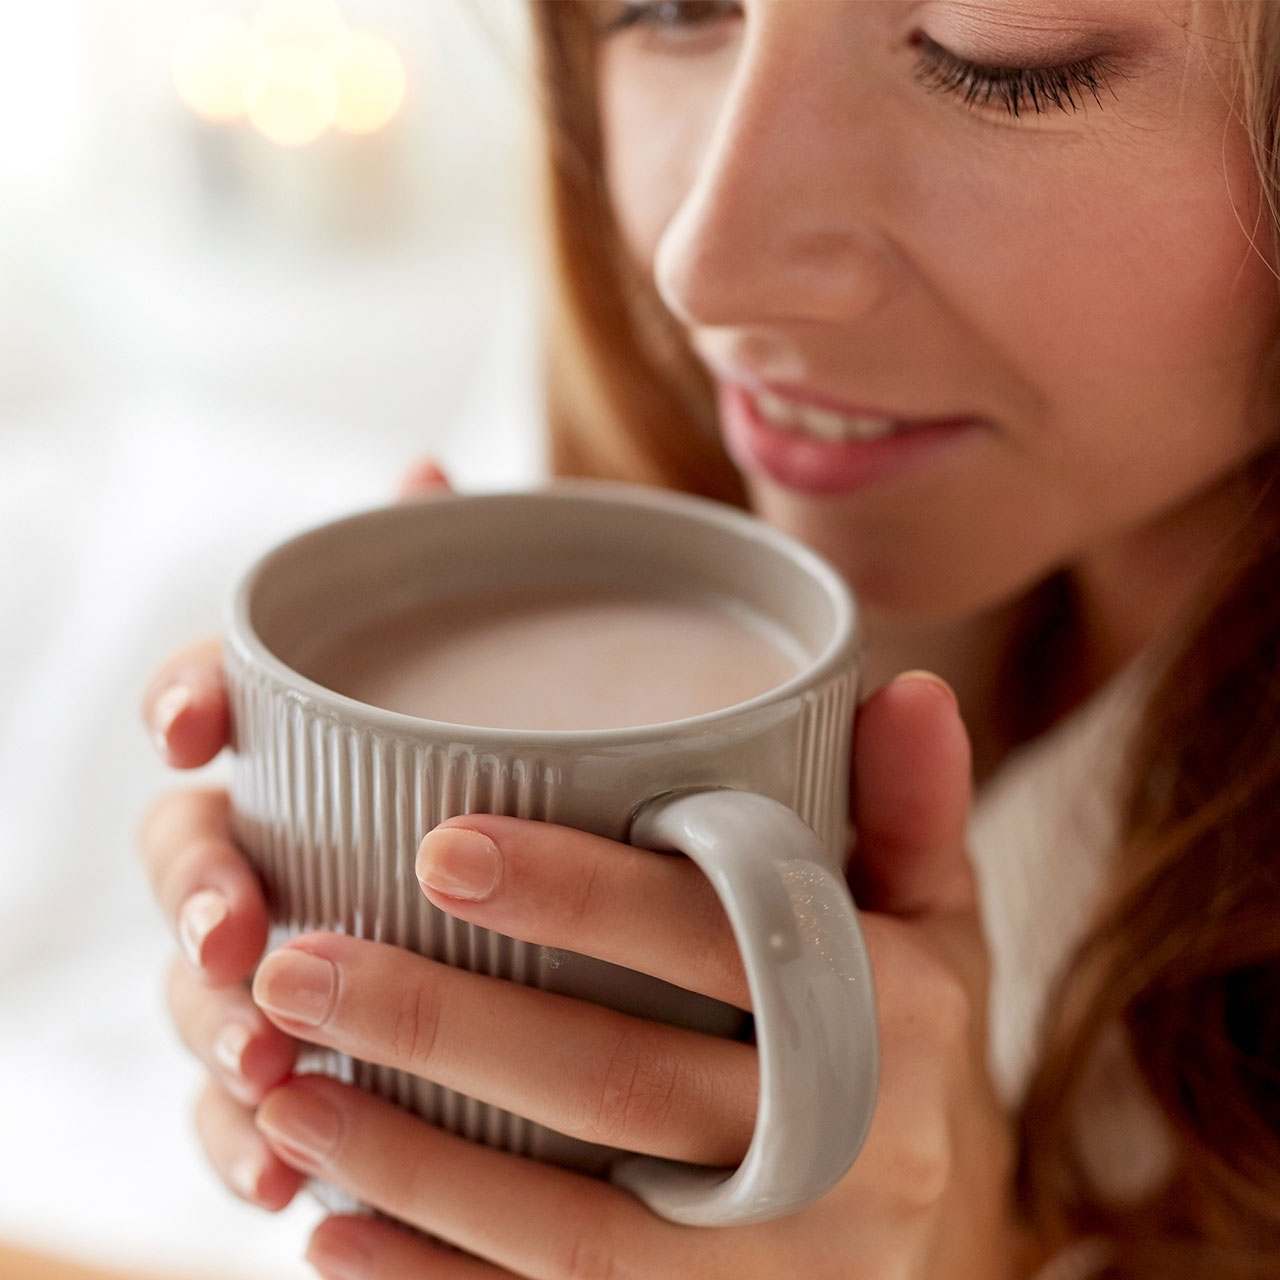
x: 977, y: 297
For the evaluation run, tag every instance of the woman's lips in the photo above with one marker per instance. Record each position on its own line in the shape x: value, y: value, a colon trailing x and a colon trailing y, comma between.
x: 825, y: 451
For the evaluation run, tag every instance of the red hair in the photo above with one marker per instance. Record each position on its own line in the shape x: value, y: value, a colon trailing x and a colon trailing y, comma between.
x: 1184, y: 955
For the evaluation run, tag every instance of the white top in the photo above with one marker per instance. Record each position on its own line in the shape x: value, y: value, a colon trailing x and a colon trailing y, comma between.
x: 1042, y: 835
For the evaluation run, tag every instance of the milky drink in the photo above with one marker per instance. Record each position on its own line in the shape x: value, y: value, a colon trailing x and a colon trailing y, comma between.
x: 559, y: 659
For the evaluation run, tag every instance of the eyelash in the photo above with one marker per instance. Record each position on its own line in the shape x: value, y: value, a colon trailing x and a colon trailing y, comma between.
x: 1014, y: 90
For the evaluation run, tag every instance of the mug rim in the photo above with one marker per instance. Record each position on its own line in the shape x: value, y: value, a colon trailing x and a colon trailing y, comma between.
x: 840, y: 651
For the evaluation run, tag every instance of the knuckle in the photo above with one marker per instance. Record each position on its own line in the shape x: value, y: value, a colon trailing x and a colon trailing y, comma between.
x: 176, y: 819
x: 934, y: 1009
x: 191, y: 867
x: 156, y: 819
x: 588, y: 1253
x: 581, y: 903
x: 947, y: 1008
x: 210, y: 1117
x: 924, y: 1165
x: 178, y: 994
x: 634, y: 1093
x: 725, y: 973
x: 416, y: 1025
x: 410, y: 1180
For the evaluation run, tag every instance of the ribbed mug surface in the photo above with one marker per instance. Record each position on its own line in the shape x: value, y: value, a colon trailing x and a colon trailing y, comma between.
x: 331, y: 799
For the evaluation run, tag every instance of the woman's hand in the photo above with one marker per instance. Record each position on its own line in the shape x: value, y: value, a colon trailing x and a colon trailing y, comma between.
x: 929, y: 1195
x: 214, y: 903
x: 927, y: 1198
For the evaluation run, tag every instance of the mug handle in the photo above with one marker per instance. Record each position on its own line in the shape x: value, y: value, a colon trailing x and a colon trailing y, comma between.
x: 812, y: 998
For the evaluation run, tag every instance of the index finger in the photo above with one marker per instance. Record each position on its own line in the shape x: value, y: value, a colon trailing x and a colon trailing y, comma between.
x: 185, y: 706
x: 559, y: 887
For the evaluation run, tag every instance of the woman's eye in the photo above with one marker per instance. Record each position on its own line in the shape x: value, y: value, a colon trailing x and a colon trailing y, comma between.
x: 671, y: 21
x: 1015, y: 90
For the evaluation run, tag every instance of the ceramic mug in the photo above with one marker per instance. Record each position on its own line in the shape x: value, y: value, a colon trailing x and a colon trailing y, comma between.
x: 331, y: 798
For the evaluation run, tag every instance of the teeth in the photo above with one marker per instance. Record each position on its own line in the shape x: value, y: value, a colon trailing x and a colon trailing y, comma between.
x: 777, y: 411
x: 872, y: 428
x: 825, y: 424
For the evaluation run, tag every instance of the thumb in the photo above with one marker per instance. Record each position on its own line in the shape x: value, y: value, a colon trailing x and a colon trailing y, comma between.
x: 422, y: 478
x: 911, y: 793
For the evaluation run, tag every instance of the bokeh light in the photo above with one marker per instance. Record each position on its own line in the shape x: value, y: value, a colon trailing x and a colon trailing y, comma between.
x: 213, y: 62
x: 293, y: 98
x: 312, y: 25
x: 371, y: 84
x: 294, y: 72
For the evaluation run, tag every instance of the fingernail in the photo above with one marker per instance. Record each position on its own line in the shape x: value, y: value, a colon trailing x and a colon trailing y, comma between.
x: 927, y: 677
x: 228, y: 1052
x: 339, y: 1257
x: 164, y: 713
x: 201, y: 914
x: 245, y: 1175
x: 304, y: 1127
x: 298, y: 986
x: 459, y: 863
x: 229, y: 1046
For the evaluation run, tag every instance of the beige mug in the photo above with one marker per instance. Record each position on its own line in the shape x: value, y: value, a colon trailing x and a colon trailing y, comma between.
x: 332, y: 796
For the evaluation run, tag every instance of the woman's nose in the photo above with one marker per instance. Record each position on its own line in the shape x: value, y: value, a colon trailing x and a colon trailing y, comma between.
x: 780, y: 223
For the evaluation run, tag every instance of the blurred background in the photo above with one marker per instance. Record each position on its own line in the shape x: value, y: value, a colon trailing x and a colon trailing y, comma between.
x: 255, y: 258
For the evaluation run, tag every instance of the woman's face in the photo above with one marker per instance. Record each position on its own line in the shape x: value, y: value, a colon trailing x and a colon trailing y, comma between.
x: 976, y: 278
